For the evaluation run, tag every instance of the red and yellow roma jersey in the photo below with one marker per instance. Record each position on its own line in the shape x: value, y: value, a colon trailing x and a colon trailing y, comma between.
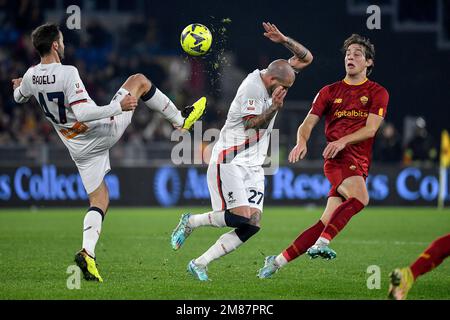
x: 346, y: 108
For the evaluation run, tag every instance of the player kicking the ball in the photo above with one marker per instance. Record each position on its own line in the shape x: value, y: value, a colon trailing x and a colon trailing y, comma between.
x: 89, y: 130
x: 235, y: 174
x: 353, y: 109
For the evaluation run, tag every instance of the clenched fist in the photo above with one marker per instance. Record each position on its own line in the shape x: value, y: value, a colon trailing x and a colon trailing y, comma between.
x: 129, y: 103
x: 16, y: 83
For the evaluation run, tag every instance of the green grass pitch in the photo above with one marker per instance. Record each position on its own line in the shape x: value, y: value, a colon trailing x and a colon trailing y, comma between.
x: 136, y: 261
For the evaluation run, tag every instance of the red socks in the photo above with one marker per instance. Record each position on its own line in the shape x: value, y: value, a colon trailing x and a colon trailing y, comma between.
x: 341, y: 217
x: 432, y: 256
x: 304, y: 241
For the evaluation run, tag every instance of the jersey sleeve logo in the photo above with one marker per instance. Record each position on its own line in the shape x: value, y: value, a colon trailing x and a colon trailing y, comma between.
x: 251, y: 104
x: 380, y: 112
x: 79, y: 89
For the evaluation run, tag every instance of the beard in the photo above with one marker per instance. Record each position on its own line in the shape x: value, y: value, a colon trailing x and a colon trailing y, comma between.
x: 60, y: 53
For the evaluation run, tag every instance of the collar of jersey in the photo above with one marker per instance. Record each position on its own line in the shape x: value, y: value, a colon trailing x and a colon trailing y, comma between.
x: 358, y: 84
x: 48, y: 64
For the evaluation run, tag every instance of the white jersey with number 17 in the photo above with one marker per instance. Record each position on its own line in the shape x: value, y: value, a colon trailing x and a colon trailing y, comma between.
x: 58, y: 88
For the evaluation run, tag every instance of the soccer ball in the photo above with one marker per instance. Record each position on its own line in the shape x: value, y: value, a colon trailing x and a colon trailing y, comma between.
x: 196, y: 39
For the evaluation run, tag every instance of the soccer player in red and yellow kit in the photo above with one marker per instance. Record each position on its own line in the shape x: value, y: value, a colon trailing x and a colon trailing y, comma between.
x: 353, y: 109
x: 402, y: 279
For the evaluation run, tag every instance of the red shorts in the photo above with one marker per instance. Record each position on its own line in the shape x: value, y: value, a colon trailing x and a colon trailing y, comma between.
x: 337, y: 170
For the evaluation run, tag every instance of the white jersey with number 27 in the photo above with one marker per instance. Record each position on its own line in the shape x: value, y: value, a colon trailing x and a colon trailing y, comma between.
x: 235, y: 144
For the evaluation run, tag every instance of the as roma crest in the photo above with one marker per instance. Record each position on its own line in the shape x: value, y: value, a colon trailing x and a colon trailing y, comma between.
x: 364, y: 100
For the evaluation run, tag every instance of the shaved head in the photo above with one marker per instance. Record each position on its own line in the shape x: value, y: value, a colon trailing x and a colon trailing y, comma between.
x: 281, y: 70
x: 278, y: 73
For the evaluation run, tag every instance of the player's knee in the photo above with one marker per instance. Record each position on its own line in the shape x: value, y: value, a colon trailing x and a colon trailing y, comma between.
x: 364, y: 199
x: 244, y: 211
x: 234, y: 220
x: 246, y: 231
x: 361, y: 195
x: 143, y: 82
x: 255, y: 218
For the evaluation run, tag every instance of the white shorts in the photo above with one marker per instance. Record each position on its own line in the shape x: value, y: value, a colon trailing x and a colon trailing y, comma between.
x: 95, y: 165
x: 93, y: 169
x: 232, y: 186
x: 119, y: 123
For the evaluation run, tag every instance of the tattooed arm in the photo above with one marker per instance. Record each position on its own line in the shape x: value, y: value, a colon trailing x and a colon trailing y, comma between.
x: 260, y: 121
x: 263, y: 119
x: 302, y: 56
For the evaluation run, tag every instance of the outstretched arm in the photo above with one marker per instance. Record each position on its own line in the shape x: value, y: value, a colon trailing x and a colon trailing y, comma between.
x: 303, y: 134
x: 84, y: 108
x: 20, y: 95
x: 368, y: 131
x: 89, y: 111
x: 302, y: 56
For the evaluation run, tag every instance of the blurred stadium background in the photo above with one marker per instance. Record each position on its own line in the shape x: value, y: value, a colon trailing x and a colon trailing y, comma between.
x: 119, y: 38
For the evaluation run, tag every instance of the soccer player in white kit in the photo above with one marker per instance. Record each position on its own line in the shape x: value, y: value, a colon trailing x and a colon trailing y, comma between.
x: 235, y: 175
x: 89, y: 130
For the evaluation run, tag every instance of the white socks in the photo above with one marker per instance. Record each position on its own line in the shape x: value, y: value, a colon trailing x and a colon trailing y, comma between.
x: 281, y: 261
x: 161, y: 103
x: 91, y: 231
x: 212, y: 218
x: 322, y: 242
x: 224, y: 245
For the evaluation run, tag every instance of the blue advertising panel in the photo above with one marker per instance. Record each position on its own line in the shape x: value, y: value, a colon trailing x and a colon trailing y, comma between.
x: 186, y: 186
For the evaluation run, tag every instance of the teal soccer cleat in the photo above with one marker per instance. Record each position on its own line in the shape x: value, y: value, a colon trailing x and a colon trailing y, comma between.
x: 321, y: 251
x: 270, y: 268
x: 197, y: 271
x: 181, y: 232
